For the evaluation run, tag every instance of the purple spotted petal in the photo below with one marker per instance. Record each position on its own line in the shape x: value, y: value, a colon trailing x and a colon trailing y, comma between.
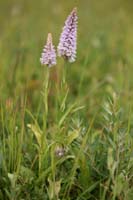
x: 49, y: 55
x: 68, y: 40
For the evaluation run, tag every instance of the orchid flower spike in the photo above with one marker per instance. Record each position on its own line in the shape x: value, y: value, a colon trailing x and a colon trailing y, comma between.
x: 68, y: 40
x: 49, y: 55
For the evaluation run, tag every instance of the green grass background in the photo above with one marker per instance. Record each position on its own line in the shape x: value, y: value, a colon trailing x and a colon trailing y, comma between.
x: 98, y: 138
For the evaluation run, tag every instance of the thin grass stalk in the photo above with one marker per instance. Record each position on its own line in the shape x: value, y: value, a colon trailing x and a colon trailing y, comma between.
x: 69, y: 185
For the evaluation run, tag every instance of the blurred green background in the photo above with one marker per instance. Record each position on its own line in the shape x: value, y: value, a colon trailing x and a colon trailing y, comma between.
x: 105, y: 45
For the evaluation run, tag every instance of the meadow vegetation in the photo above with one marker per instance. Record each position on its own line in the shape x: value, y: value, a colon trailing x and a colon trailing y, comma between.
x: 66, y: 132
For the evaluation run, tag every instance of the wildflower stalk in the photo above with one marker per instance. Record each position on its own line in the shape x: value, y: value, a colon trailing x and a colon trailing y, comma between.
x: 68, y: 40
x: 44, y: 144
x: 48, y: 58
x: 48, y: 55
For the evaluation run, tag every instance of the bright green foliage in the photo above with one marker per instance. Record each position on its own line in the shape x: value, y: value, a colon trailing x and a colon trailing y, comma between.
x: 66, y: 132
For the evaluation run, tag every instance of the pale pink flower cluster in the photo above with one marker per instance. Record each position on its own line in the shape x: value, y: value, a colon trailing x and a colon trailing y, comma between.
x: 49, y: 55
x: 67, y: 44
x: 68, y: 39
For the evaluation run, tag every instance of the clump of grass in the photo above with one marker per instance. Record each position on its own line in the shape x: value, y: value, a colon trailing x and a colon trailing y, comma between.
x: 63, y: 158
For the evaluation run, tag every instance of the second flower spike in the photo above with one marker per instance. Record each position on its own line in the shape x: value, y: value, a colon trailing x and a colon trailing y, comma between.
x: 49, y: 55
x: 68, y: 40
